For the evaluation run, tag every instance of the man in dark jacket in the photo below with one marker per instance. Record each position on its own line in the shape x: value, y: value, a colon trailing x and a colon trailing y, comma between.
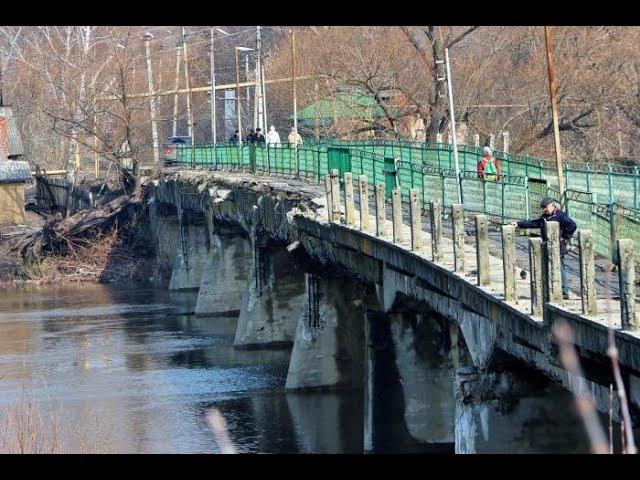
x: 552, y: 213
x: 259, y: 136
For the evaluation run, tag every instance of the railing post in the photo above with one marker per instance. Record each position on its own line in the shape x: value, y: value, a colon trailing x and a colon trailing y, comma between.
x: 415, y: 210
x: 381, y: 216
x: 509, y: 262
x: 327, y: 187
x: 436, y: 230
x: 482, y: 250
x: 348, y: 199
x: 535, y: 266
x: 553, y: 249
x: 364, y: 203
x: 396, y: 215
x: 457, y: 217
x: 609, y: 183
x: 635, y: 187
x: 587, y: 273
x: 626, y: 272
x: 335, y: 196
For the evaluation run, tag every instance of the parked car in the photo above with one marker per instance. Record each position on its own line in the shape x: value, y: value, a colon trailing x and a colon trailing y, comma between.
x: 170, y: 150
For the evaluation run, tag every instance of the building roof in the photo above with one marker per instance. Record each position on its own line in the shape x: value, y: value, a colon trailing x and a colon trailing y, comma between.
x: 342, y: 106
x: 13, y: 171
x: 15, y: 143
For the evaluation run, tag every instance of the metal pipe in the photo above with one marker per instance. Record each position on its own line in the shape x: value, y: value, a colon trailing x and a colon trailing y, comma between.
x: 453, y: 126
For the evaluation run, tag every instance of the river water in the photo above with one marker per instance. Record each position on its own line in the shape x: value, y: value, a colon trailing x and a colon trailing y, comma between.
x: 127, y: 369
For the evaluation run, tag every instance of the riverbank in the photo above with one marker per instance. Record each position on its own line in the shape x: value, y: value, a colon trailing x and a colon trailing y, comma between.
x: 122, y: 253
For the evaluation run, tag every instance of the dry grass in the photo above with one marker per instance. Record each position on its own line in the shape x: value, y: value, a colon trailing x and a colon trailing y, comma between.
x: 29, y: 426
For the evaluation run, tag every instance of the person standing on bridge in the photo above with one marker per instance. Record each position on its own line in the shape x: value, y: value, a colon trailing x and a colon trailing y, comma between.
x: 488, y: 167
x: 235, y: 137
x: 551, y: 213
x: 294, y: 138
x: 273, y: 138
x: 259, y: 136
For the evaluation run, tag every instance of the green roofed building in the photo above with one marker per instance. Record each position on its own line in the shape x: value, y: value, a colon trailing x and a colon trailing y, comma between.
x: 347, y: 112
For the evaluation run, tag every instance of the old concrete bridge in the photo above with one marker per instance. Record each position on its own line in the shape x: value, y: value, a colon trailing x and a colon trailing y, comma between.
x: 336, y: 272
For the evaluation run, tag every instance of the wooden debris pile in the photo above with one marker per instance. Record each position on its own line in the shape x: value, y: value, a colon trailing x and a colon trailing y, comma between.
x: 64, y: 236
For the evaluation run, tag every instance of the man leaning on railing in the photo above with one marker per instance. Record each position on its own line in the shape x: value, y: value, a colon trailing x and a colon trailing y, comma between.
x: 551, y: 213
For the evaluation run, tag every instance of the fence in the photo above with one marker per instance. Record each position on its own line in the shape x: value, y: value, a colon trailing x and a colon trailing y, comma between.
x: 429, y: 168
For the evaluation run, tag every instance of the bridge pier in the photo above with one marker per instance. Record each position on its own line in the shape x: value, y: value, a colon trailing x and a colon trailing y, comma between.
x: 409, y: 394
x: 328, y: 349
x: 165, y: 231
x: 518, y: 411
x: 192, y: 252
x: 225, y: 272
x: 272, y: 299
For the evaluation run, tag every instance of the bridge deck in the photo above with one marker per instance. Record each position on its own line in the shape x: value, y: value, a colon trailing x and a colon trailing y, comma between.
x: 606, y: 282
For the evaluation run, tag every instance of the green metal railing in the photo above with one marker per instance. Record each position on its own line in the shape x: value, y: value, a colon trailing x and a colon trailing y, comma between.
x: 429, y: 168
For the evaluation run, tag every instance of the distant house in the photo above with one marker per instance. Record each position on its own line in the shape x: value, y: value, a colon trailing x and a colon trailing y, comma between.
x: 15, y: 143
x: 14, y: 174
x: 348, y: 111
x: 13, y: 177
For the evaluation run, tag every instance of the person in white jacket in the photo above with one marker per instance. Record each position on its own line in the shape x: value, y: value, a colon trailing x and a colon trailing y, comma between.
x: 273, y: 138
x: 294, y: 138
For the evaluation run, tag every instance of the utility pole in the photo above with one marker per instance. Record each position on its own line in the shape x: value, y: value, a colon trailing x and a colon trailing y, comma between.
x: 293, y: 79
x: 259, y: 107
x: 175, y: 96
x: 264, y: 97
x: 213, y: 90
x: 453, y: 125
x: 186, y: 78
x: 554, y: 113
x: 246, y: 79
x: 152, y: 100
x: 238, y: 105
x: 317, y: 111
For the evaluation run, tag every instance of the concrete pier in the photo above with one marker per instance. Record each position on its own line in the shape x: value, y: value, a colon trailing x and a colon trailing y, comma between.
x: 225, y: 273
x: 409, y: 395
x: 328, y: 351
x: 192, y: 253
x: 272, y: 299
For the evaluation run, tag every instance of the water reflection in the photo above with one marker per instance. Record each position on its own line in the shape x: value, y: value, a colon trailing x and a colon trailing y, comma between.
x: 130, y: 369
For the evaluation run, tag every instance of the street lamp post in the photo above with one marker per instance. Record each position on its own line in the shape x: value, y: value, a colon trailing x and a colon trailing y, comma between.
x: 238, y: 104
x: 213, y: 83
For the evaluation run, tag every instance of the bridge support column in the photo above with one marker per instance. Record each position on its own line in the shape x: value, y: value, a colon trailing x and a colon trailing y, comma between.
x: 328, y: 349
x: 225, y: 272
x: 484, y: 425
x: 409, y: 395
x: 165, y: 231
x: 272, y: 299
x: 191, y: 256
